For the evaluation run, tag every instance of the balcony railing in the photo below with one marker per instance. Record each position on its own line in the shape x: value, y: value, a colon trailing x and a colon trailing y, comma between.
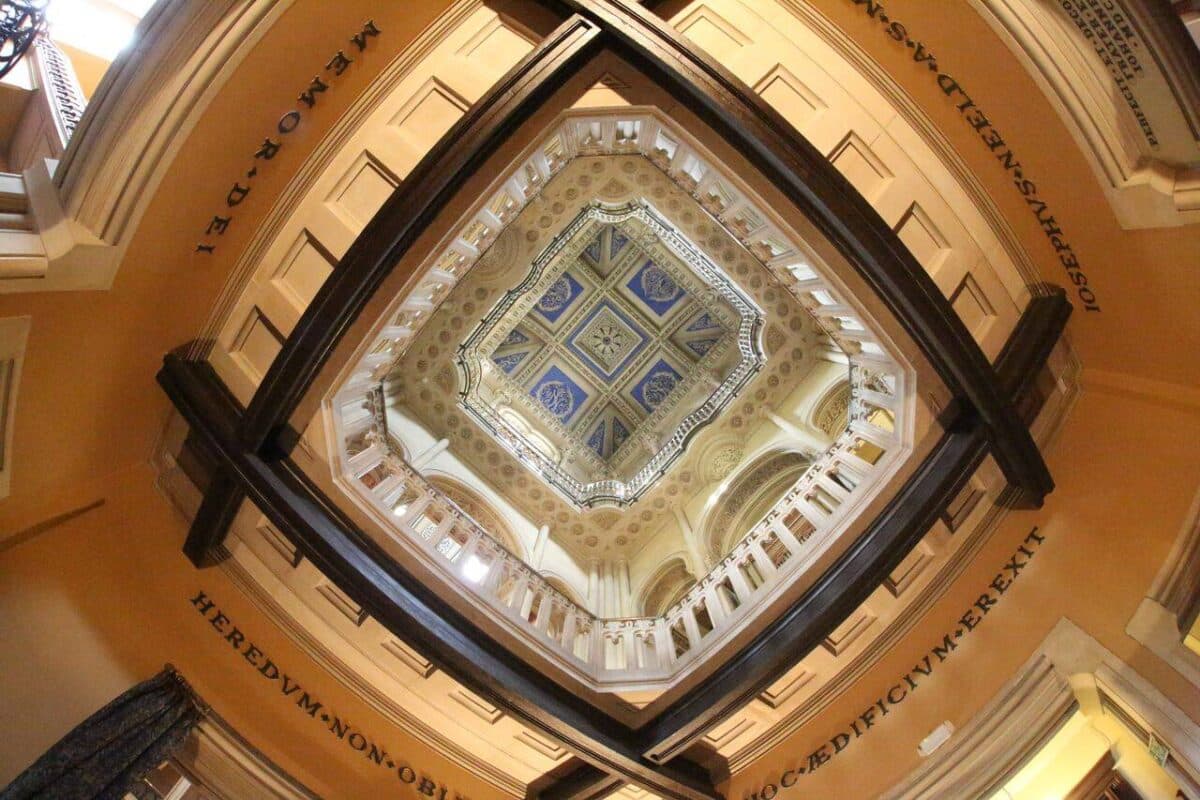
x: 643, y: 652
x: 636, y: 650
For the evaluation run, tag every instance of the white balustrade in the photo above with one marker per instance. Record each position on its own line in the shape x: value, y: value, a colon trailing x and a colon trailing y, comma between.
x: 626, y: 652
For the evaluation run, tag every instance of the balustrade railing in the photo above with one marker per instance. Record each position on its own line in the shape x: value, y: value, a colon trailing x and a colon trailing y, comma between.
x: 64, y: 96
x: 630, y: 652
x: 639, y: 649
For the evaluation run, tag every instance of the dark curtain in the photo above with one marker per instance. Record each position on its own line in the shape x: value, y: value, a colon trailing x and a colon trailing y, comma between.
x: 112, y: 749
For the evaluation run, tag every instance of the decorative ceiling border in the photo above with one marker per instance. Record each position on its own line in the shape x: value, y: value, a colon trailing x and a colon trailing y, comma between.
x: 807, y: 520
x: 614, y: 492
x: 241, y: 441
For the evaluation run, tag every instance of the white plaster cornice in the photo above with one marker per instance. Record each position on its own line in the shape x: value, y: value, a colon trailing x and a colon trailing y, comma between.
x: 230, y: 766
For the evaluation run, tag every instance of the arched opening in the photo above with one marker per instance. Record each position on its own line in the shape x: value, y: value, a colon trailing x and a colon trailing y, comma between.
x: 751, y: 494
x: 831, y: 413
x: 472, y: 504
x: 666, y: 587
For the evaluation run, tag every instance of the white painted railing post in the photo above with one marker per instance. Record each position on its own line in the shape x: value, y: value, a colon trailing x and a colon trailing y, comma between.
x: 567, y: 639
x: 629, y: 642
x: 596, y: 649
x: 766, y: 567
x: 741, y: 586
x: 691, y: 627
x: 663, y: 646
x: 717, y: 612
x: 363, y: 462
x: 789, y: 540
x: 491, y: 584
x: 873, y: 434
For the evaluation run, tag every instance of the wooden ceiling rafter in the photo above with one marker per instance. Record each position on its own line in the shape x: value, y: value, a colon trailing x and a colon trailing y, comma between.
x: 250, y: 447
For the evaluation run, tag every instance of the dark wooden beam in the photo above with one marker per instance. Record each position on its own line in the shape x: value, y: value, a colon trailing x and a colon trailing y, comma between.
x: 876, y: 554
x: 837, y: 209
x: 403, y: 603
x: 1028, y: 347
x: 218, y: 508
x: 405, y: 215
x: 579, y: 781
x: 418, y: 614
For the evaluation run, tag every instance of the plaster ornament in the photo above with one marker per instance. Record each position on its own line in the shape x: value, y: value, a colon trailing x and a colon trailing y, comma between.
x: 723, y: 462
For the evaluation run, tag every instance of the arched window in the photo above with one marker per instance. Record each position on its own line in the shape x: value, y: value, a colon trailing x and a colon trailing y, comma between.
x: 832, y: 413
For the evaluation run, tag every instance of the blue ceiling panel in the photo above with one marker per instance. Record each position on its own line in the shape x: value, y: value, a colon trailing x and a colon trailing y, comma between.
x: 556, y: 392
x: 656, y: 385
x: 654, y: 287
x: 558, y: 298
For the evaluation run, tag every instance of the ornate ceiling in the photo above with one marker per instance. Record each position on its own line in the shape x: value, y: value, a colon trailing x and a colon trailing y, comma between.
x: 426, y: 383
x: 621, y: 342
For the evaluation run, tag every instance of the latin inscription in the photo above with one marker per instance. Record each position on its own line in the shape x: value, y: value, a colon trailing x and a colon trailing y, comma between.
x: 346, y: 734
x: 974, y: 116
x: 1112, y: 35
x: 275, y: 139
x: 908, y: 683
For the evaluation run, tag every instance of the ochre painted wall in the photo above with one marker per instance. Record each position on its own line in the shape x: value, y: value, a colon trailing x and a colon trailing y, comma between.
x: 103, y: 600
x: 95, y: 603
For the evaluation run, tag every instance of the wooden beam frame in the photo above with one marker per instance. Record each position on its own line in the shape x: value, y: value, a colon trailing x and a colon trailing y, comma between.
x: 252, y: 457
x: 416, y: 613
x: 773, y: 652
x: 426, y: 190
x: 404, y: 605
x: 837, y: 209
x: 579, y: 781
x: 402, y: 602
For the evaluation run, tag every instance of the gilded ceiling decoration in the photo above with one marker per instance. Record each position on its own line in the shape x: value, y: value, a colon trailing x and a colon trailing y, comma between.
x: 563, y: 334
x: 621, y: 342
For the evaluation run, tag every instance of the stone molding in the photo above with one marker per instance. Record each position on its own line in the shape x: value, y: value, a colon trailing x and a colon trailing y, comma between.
x: 1070, y: 670
x: 88, y: 205
x: 1144, y: 189
x: 991, y: 748
x: 1166, y: 615
x: 231, y: 767
x: 14, y: 333
x: 334, y: 652
x: 1177, y: 585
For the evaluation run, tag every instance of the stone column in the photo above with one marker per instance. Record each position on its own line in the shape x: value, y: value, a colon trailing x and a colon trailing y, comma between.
x: 593, y: 596
x: 625, y: 590
x: 700, y: 564
x: 809, y: 437
x: 539, y: 547
x: 423, y: 459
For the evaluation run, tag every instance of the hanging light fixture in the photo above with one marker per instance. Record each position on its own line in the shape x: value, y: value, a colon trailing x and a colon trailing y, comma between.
x: 20, y: 23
